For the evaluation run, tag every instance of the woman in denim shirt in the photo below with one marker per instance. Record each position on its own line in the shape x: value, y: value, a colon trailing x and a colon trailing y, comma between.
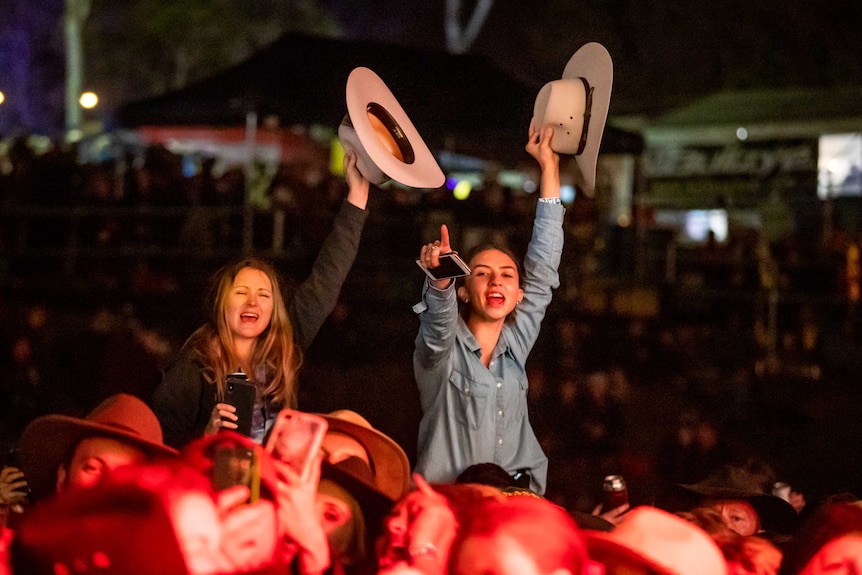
x: 471, y: 371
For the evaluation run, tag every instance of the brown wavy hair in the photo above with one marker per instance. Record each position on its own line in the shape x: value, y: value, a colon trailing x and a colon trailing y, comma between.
x: 275, y: 351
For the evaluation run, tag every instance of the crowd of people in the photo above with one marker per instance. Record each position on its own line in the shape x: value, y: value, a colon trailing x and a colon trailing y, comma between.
x: 104, y: 494
x: 513, y: 441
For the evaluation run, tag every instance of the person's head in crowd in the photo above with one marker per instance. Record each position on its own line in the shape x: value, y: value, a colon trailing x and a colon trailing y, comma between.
x: 429, y: 514
x: 364, y: 472
x: 249, y: 328
x: 158, y: 517
x: 829, y: 540
x: 495, y: 476
x: 744, y: 554
x: 486, y: 474
x: 518, y: 536
x: 750, y: 555
x: 650, y: 541
x: 745, y: 506
x: 489, y: 260
x: 60, y: 452
x: 243, y: 471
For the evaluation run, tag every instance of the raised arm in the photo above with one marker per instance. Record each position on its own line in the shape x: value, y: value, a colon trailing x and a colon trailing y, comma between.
x: 438, y: 311
x: 315, y: 299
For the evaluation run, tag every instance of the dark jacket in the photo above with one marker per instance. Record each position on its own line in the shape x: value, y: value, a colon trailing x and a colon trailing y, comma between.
x: 183, y: 401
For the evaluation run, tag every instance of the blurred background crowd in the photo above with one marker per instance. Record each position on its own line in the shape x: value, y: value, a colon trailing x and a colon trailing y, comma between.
x: 660, y: 377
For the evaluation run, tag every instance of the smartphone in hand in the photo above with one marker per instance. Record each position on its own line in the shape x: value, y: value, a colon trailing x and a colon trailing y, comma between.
x: 235, y: 464
x: 451, y: 266
x: 295, y: 439
x: 241, y: 393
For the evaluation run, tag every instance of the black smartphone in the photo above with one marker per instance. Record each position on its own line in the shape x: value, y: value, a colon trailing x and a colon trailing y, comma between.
x: 451, y: 266
x: 241, y: 393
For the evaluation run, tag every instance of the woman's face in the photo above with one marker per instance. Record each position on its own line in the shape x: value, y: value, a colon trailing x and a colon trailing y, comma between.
x: 332, y: 512
x: 842, y: 556
x: 492, y: 289
x: 249, y: 304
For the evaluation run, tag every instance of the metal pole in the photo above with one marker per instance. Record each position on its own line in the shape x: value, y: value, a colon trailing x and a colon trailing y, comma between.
x: 248, y: 212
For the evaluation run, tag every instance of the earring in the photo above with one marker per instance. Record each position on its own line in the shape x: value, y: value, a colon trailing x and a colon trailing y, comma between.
x: 517, y: 302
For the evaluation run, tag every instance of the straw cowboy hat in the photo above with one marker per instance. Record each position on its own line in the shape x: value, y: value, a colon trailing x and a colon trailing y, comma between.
x: 386, y: 142
x: 732, y: 482
x: 666, y: 543
x: 576, y: 106
x: 390, y: 468
x: 48, y: 440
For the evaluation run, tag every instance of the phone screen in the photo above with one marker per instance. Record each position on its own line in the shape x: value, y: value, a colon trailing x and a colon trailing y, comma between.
x: 296, y: 436
x: 451, y: 266
x: 236, y: 465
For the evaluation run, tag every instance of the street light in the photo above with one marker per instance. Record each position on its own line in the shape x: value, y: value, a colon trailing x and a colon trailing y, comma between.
x: 88, y: 100
x: 2, y: 97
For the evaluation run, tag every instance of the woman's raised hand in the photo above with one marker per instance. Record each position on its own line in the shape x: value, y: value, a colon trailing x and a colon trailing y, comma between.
x: 430, y: 254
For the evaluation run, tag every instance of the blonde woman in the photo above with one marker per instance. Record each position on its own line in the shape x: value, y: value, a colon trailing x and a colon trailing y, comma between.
x: 257, y: 329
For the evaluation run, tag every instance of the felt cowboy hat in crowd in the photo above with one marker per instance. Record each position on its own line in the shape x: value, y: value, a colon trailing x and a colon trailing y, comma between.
x: 48, y: 440
x: 576, y: 106
x: 664, y: 543
x: 384, y: 139
x: 732, y: 482
x: 390, y: 468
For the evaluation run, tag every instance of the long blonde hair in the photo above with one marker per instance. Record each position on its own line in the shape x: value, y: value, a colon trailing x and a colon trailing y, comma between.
x: 275, y: 358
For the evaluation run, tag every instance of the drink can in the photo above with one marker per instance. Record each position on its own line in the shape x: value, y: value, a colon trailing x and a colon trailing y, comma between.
x: 614, y: 492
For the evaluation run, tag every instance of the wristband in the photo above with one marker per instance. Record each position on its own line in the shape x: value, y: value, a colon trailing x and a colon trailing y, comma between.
x: 557, y: 201
x: 422, y: 550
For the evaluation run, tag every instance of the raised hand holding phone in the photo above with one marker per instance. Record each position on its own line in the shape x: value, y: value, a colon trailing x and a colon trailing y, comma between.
x: 440, y: 263
x: 296, y: 438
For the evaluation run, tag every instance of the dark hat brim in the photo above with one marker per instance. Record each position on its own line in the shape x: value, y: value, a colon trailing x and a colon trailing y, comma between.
x: 776, y: 514
x: 391, y: 468
x: 374, y: 503
x: 47, y: 442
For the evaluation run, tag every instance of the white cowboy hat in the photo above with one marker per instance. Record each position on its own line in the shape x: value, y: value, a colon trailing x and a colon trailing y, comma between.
x: 385, y: 141
x: 576, y: 106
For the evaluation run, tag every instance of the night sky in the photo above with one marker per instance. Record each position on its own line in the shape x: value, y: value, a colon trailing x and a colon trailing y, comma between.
x: 665, y: 52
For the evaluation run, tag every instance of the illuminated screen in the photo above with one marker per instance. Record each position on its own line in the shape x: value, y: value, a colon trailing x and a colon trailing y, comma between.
x: 839, y: 165
x: 698, y: 224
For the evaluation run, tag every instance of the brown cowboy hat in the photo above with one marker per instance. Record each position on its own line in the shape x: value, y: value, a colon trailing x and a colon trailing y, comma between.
x: 390, y: 468
x: 48, y: 440
x: 733, y: 482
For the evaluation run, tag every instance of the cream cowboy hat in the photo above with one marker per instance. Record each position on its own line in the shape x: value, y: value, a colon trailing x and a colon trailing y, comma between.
x: 385, y: 141
x: 576, y: 106
x: 665, y: 543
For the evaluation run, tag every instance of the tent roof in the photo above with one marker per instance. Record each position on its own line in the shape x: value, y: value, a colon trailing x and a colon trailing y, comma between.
x: 460, y: 103
x: 775, y: 105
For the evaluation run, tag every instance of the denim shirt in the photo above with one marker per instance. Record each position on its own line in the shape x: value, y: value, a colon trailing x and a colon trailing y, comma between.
x: 472, y: 413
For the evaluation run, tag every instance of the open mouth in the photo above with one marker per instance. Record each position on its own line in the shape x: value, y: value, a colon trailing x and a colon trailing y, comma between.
x: 495, y: 299
x: 248, y: 317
